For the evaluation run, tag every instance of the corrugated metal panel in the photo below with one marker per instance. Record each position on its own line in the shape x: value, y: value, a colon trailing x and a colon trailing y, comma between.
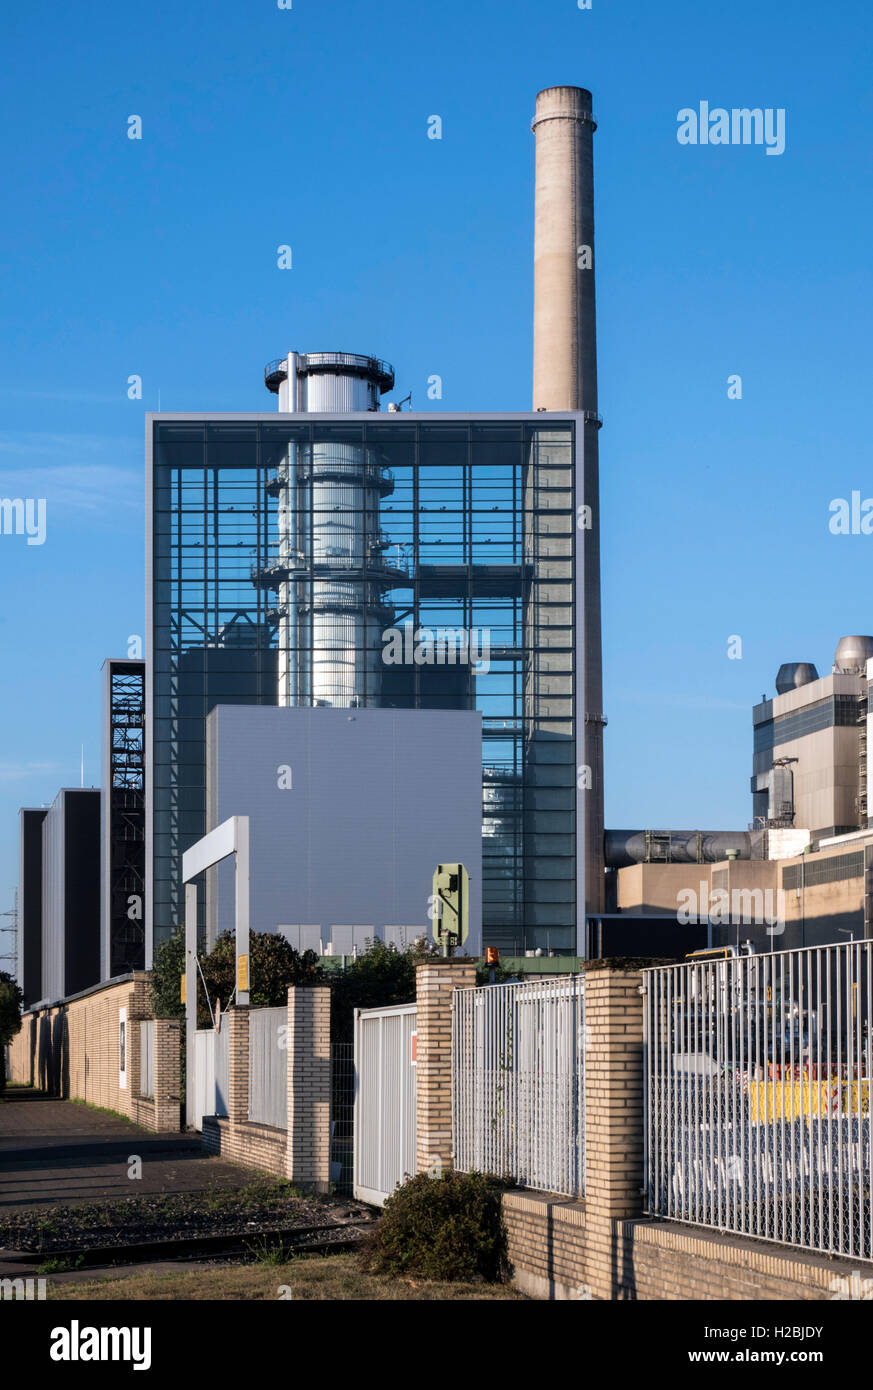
x: 147, y: 1058
x: 268, y: 1067
x: 385, y: 1095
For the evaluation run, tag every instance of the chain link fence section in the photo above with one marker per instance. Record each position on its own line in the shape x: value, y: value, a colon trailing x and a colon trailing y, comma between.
x: 757, y: 1074
x: 342, y: 1117
x: 518, y: 1082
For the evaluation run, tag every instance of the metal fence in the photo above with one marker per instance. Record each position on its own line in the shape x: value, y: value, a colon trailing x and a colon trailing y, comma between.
x: 268, y: 1067
x: 342, y: 1116
x: 204, y: 1075
x: 385, y: 1120
x: 518, y: 1082
x: 757, y: 1096
x: 147, y: 1058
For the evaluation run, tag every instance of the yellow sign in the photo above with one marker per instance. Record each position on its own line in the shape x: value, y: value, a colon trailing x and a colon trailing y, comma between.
x: 182, y: 988
x: 793, y: 1099
x: 242, y: 972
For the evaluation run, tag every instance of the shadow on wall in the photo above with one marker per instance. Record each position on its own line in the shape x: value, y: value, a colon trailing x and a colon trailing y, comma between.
x: 51, y: 1051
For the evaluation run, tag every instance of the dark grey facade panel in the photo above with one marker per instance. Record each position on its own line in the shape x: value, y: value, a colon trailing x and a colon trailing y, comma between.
x: 71, y: 893
x: 30, y: 823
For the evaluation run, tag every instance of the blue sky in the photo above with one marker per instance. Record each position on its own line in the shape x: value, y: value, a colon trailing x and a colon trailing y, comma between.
x: 308, y: 127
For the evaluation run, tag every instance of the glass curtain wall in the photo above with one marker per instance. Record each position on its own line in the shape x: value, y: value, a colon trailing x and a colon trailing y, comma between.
x: 389, y: 563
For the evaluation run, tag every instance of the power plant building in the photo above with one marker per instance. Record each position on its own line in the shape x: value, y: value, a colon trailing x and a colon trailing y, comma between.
x: 337, y: 557
x: 810, y: 746
x: 353, y: 559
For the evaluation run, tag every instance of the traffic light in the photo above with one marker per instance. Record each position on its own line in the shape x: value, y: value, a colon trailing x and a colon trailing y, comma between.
x: 451, y: 900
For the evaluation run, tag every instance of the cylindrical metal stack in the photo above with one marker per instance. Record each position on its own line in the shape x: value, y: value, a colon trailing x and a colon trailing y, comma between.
x: 329, y: 573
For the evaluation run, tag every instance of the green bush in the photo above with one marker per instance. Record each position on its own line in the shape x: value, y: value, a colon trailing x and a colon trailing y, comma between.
x: 446, y: 1228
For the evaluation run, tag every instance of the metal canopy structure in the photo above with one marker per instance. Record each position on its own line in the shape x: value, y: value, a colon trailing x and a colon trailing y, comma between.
x: 229, y: 838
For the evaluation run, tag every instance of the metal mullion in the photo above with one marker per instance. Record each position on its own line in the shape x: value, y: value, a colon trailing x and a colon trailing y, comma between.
x: 867, y: 1248
x: 841, y: 974
x: 823, y: 1094
x: 793, y: 1120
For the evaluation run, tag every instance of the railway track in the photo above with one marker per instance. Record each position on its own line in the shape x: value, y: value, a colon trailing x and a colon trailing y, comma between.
x: 314, y: 1239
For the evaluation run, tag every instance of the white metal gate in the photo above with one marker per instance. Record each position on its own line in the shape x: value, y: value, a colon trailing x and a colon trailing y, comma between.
x: 210, y: 1072
x: 518, y: 1082
x: 385, y: 1089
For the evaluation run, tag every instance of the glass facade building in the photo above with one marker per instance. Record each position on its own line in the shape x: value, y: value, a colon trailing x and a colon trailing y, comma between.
x: 400, y: 561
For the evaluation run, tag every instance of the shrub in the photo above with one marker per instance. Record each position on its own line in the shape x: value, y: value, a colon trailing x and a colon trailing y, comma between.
x: 445, y: 1228
x: 273, y: 966
x: 380, y: 976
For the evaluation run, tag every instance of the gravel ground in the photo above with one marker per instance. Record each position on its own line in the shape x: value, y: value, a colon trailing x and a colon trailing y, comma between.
x: 258, y: 1207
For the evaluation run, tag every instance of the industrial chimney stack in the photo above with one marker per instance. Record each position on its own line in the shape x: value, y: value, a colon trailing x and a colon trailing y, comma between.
x: 565, y: 377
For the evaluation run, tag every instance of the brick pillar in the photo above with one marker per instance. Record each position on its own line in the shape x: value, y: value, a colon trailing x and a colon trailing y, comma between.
x: 238, y: 1065
x: 435, y: 982
x: 613, y: 1119
x: 168, y: 1034
x: 307, y: 1158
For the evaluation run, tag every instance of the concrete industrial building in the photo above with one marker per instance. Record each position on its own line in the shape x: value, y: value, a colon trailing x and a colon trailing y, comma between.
x: 810, y: 745
x: 811, y: 839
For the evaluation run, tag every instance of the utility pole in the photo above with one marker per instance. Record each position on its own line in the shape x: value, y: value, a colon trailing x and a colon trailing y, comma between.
x: 13, y: 913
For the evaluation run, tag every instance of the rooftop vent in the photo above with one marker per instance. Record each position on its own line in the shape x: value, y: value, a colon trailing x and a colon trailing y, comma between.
x: 793, y: 674
x: 852, y: 655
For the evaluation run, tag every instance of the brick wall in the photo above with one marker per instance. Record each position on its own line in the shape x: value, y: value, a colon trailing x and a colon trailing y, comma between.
x: 309, y: 1087
x: 435, y: 983
x: 72, y: 1050
x: 302, y: 1151
x: 253, y: 1145
x: 553, y: 1257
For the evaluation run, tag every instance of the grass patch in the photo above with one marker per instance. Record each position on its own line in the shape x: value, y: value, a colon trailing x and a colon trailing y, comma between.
x: 60, y: 1266
x: 104, y: 1110
x: 308, y: 1278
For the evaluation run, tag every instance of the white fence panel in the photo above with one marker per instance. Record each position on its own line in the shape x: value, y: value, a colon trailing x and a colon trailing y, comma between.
x: 757, y: 1077
x: 204, y: 1075
x: 268, y: 1067
x: 221, y: 1043
x: 385, y: 1094
x: 147, y: 1058
x: 518, y: 1082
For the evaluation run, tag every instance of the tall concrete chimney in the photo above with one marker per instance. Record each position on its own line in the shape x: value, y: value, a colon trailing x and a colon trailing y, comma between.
x: 565, y: 378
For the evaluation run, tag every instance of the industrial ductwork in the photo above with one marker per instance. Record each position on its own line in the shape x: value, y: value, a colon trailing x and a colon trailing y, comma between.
x: 626, y: 847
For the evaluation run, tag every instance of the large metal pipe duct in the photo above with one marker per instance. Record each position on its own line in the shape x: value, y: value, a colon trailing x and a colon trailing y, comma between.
x: 565, y: 378
x: 626, y: 847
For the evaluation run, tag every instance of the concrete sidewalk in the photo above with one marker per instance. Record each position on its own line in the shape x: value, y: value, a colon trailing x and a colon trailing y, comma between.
x: 54, y: 1151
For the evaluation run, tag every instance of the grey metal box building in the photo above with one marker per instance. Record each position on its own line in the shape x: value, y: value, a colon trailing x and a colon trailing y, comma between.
x: 71, y: 893
x: 29, y: 951
x: 350, y: 812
